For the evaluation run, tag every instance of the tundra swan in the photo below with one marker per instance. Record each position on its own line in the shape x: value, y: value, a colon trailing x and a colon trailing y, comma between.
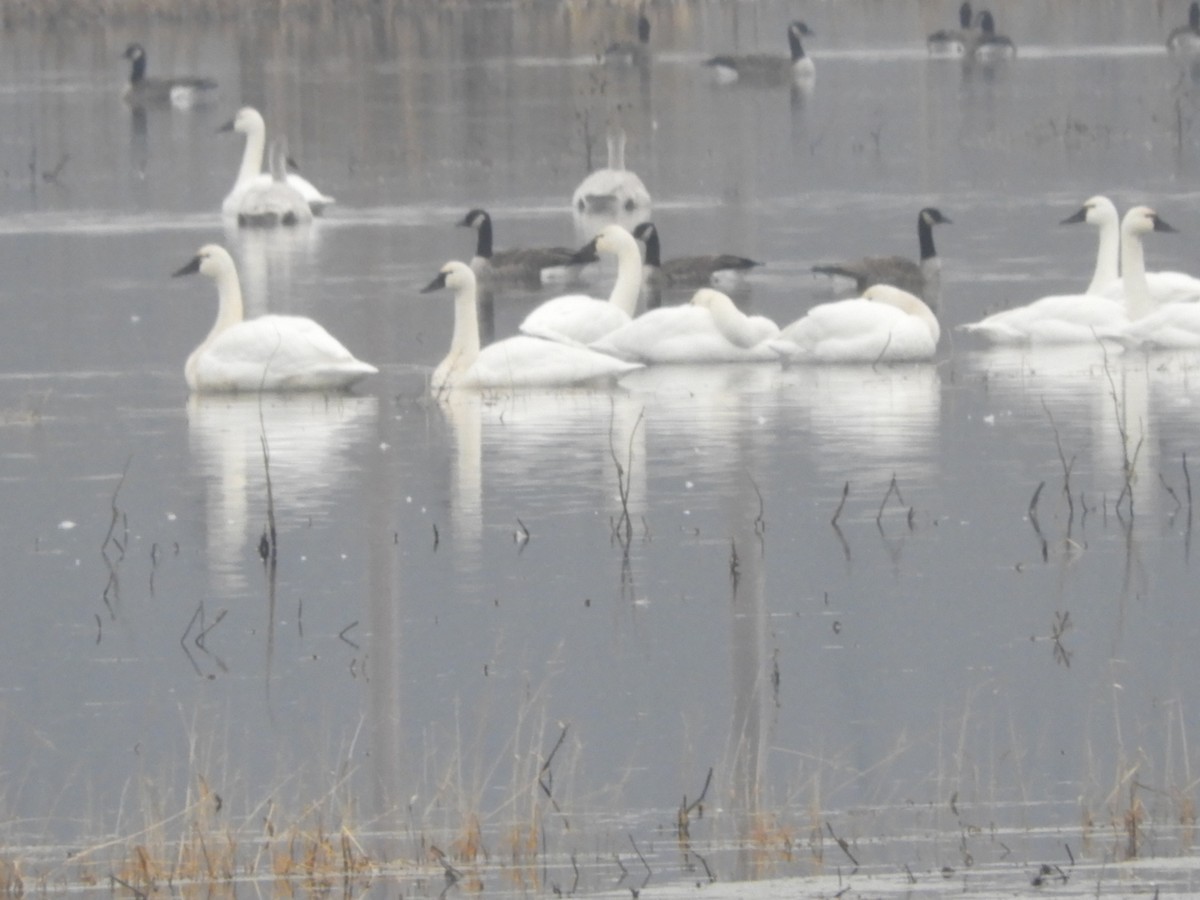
x: 613, y: 189
x: 249, y: 122
x: 886, y: 324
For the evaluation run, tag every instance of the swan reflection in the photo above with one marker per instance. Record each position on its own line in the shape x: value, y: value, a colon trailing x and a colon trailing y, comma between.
x: 271, y: 261
x: 309, y: 438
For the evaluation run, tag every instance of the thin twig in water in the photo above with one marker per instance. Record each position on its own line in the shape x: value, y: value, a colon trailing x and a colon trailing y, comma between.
x: 838, y: 512
x: 842, y: 844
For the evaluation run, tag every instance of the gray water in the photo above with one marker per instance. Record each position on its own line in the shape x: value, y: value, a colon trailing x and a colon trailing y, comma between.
x: 936, y: 677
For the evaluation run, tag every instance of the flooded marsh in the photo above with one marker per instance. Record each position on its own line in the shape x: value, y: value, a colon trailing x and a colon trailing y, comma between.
x: 739, y: 630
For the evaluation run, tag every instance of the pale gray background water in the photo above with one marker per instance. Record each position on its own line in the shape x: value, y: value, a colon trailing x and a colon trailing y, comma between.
x: 864, y: 680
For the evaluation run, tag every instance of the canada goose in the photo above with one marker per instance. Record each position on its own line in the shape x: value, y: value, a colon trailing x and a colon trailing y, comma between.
x: 249, y: 122
x: 922, y: 279
x: 270, y: 353
x: 953, y: 41
x: 179, y: 92
x: 612, y: 189
x: 631, y: 53
x: 1185, y: 39
x: 685, y: 271
x: 709, y: 329
x: 886, y: 324
x: 764, y: 68
x: 527, y: 267
x: 1164, y: 287
x: 277, y: 202
x: 519, y: 361
x: 989, y: 46
x: 577, y: 318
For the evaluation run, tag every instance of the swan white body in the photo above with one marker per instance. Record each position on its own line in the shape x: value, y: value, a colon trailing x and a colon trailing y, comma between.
x: 270, y: 353
x: 1171, y: 325
x: 1057, y: 319
x: 886, y: 324
x: 710, y: 329
x: 1163, y: 287
x: 250, y: 122
x: 514, y: 362
x: 276, y: 202
x: 577, y: 318
x: 613, y: 189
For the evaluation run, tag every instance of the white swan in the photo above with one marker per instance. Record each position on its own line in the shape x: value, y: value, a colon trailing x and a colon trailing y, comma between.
x: 1056, y: 319
x: 886, y: 324
x: 1171, y: 325
x: 276, y: 202
x: 250, y: 122
x: 519, y: 361
x: 577, y: 318
x: 765, y: 68
x: 709, y: 329
x: 1164, y: 287
x: 270, y: 353
x: 613, y: 189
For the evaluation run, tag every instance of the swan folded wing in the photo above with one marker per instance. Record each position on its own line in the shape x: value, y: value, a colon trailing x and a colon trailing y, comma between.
x: 279, y: 352
x: 857, y: 330
x: 574, y: 318
x: 678, y: 335
x: 1058, y: 319
x: 1175, y: 326
x: 524, y: 361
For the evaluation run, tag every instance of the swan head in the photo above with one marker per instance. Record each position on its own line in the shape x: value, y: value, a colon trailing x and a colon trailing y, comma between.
x: 212, y: 260
x: 454, y: 275
x: 933, y: 216
x: 247, y: 119
x: 714, y: 301
x: 1142, y: 220
x: 614, y: 239
x: 1096, y: 210
x: 474, y: 219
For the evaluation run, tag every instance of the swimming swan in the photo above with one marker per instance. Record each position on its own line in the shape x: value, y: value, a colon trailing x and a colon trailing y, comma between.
x: 709, y: 329
x: 577, y: 318
x: 1164, y: 287
x: 922, y: 279
x: 250, y: 122
x: 179, y: 92
x: 765, y: 68
x: 953, y: 41
x: 1185, y: 39
x: 886, y: 324
x: 684, y: 271
x: 270, y: 353
x: 1171, y: 325
x: 613, y: 189
x: 519, y: 361
x: 276, y: 202
x: 528, y: 267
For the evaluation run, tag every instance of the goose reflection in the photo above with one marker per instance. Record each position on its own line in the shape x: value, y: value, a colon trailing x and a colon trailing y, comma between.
x: 309, y: 439
x: 869, y: 421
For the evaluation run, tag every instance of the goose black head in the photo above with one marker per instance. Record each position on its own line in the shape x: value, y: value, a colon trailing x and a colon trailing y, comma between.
x: 932, y: 216
x: 964, y: 15
x: 474, y: 219
x: 986, y: 23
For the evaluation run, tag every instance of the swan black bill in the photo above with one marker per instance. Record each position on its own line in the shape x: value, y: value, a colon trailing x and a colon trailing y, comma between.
x: 1076, y: 218
x: 228, y: 126
x: 1160, y: 225
x: 190, y: 269
x: 436, y: 285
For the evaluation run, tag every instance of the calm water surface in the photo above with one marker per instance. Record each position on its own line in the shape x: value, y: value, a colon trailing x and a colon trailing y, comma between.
x: 958, y: 689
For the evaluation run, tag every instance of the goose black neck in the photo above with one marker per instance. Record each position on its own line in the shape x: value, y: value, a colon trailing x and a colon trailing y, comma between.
x: 650, y: 238
x: 643, y: 30
x: 483, y: 243
x: 964, y: 15
x: 794, y: 43
x: 925, y: 237
x: 1194, y: 17
x: 138, y: 72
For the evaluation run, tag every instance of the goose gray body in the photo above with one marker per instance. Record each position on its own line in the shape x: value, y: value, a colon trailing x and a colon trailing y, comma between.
x: 766, y: 68
x: 142, y: 91
x: 989, y: 46
x: 631, y: 53
x: 1185, y: 39
x: 922, y: 279
x: 954, y: 41
x: 683, y: 271
x: 522, y: 266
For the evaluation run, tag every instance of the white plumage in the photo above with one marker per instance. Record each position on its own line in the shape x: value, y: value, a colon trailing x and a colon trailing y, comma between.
x: 250, y: 122
x: 886, y: 324
x: 270, y: 353
x: 614, y: 189
x: 276, y: 202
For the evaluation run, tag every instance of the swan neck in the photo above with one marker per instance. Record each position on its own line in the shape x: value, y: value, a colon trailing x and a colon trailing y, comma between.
x: 252, y: 155
x: 925, y: 239
x: 1133, y: 269
x: 230, y: 310
x: 629, y: 278
x: 1107, y: 257
x: 464, y: 345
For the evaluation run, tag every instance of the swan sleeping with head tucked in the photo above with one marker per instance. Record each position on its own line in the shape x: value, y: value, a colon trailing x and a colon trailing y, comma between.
x: 1164, y: 287
x: 577, y: 318
x: 886, y: 324
x: 514, y: 362
x: 709, y: 329
x: 270, y: 353
x: 250, y: 122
